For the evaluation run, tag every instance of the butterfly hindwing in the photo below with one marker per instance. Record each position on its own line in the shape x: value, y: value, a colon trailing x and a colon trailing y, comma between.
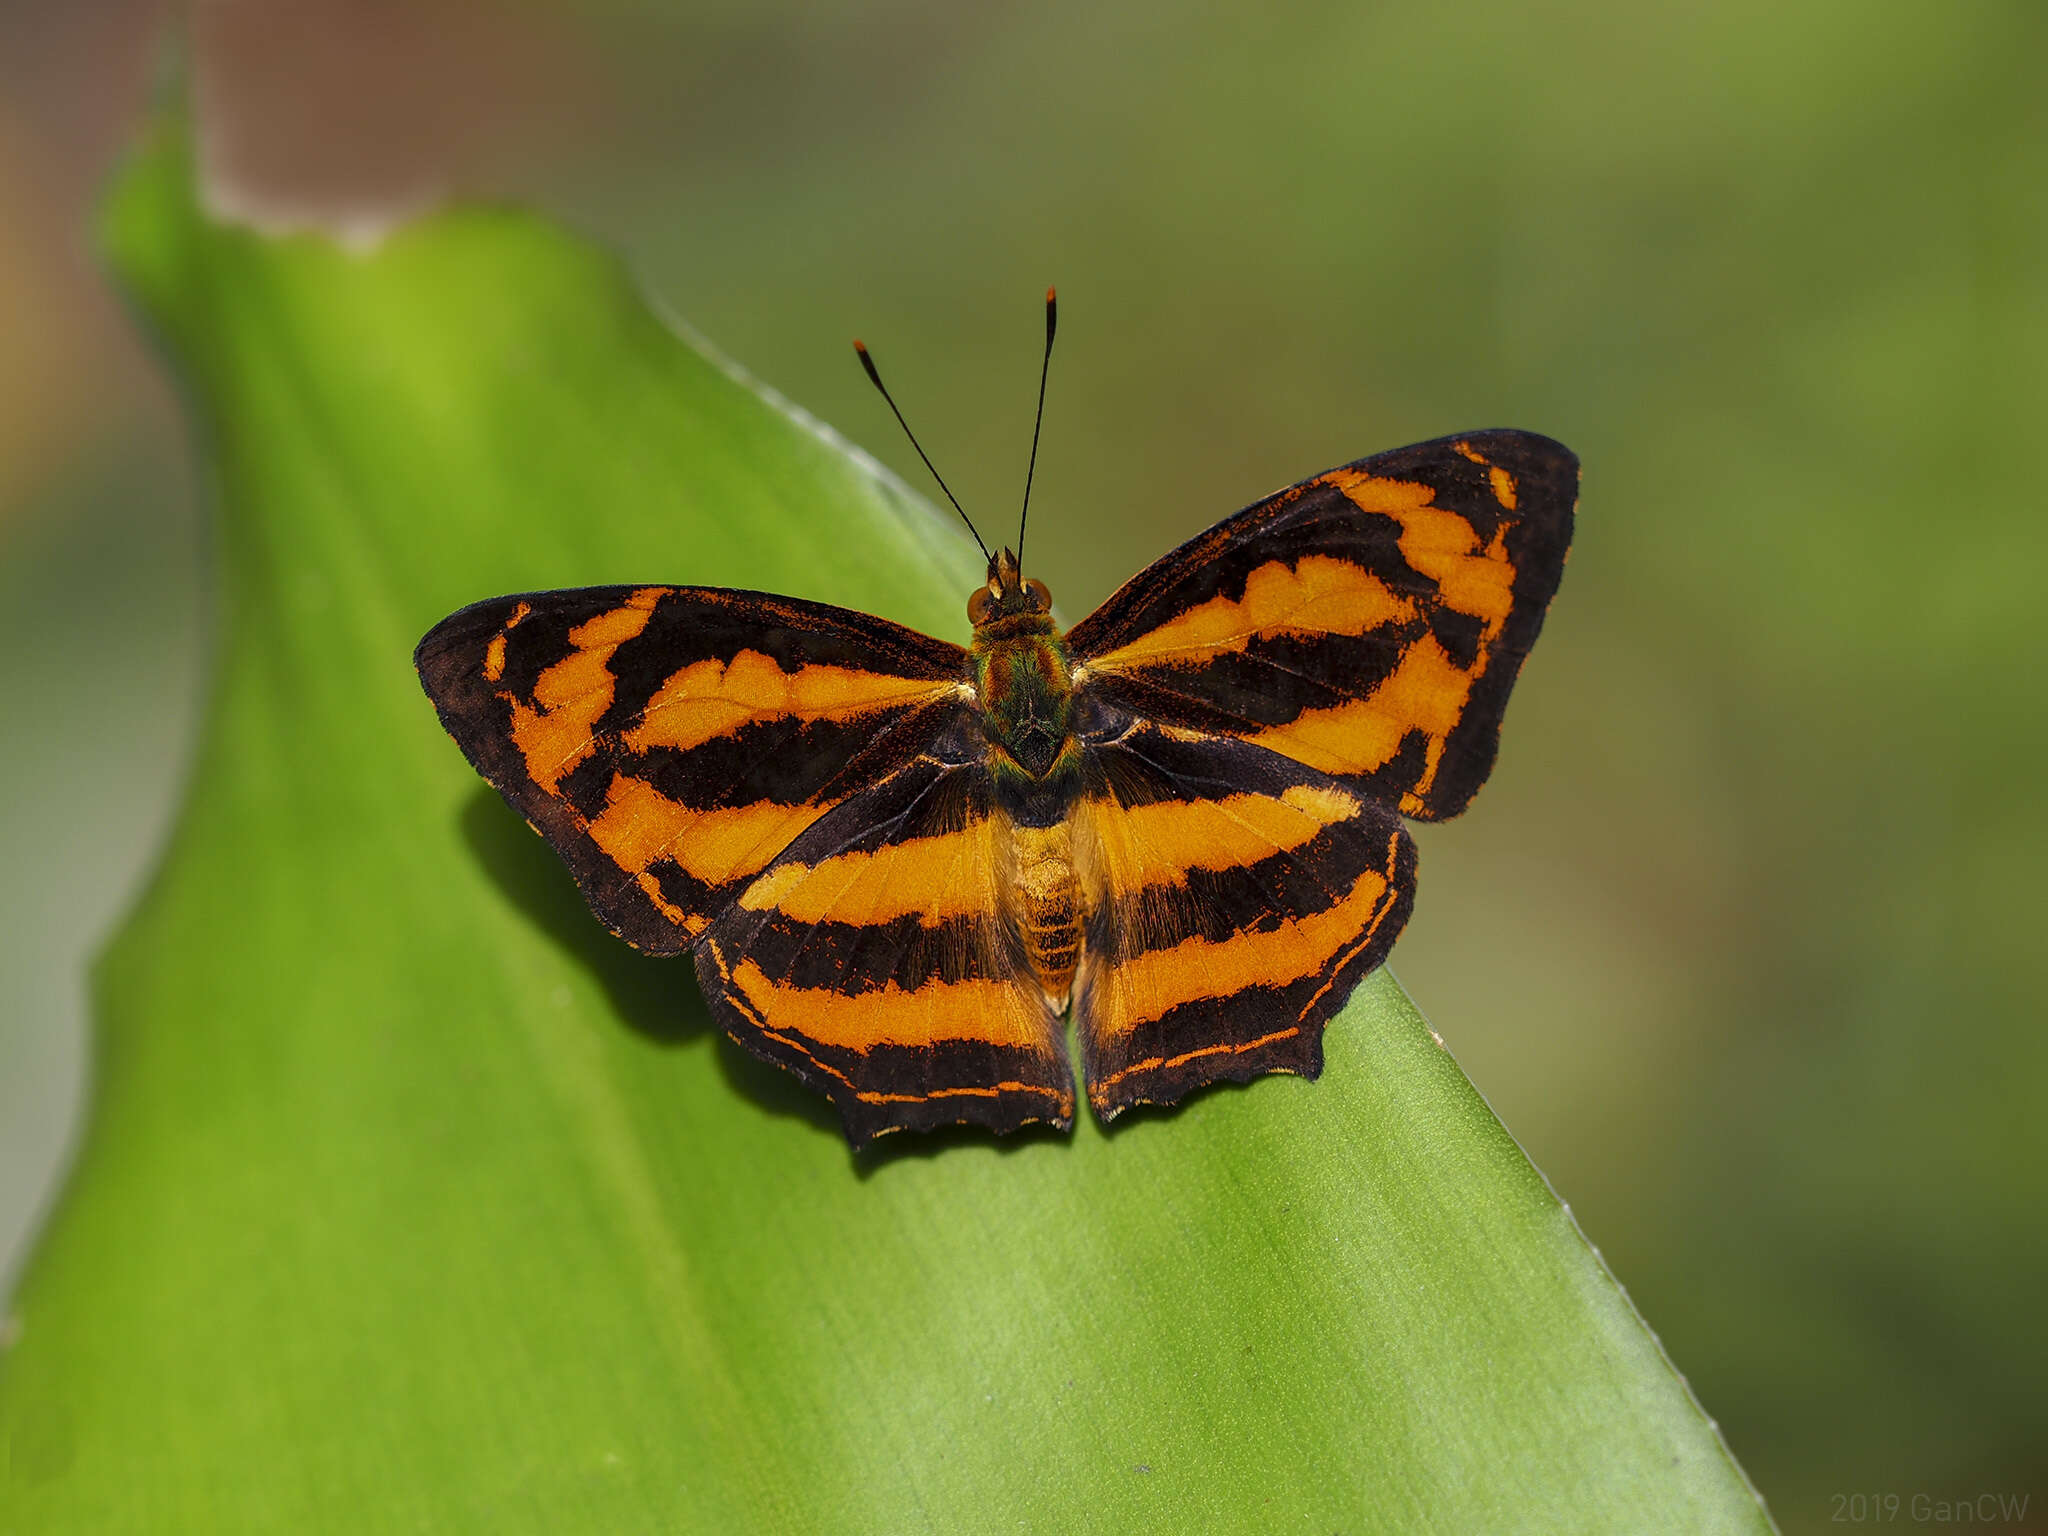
x: 1235, y: 898
x: 671, y: 741
x: 879, y: 959
x: 1368, y: 623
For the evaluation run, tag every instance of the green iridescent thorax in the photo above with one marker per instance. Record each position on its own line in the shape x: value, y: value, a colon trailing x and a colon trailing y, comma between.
x: 1021, y: 673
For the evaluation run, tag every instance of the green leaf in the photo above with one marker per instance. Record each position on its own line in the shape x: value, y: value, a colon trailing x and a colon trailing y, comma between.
x: 413, y: 1200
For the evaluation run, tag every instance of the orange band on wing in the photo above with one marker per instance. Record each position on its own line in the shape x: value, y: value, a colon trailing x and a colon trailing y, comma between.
x: 1099, y: 1087
x: 998, y: 1012
x: 1063, y: 1098
x: 1318, y: 594
x: 640, y: 825
x: 1441, y: 544
x: 1502, y: 482
x: 1426, y: 692
x: 494, y: 653
x: 932, y: 877
x: 1151, y: 984
x: 1158, y: 844
x: 712, y: 698
x: 576, y: 691
x: 992, y: 1091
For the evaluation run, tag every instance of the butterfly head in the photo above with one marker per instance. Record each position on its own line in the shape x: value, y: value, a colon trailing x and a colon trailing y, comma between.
x: 1007, y: 594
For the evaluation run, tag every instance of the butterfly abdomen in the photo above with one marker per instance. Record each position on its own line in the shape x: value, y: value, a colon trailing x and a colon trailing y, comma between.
x: 1049, y: 906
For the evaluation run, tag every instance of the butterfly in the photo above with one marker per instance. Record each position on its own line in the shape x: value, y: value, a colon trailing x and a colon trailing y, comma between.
x: 899, y: 863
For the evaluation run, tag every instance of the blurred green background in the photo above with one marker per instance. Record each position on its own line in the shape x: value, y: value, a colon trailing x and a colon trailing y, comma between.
x: 1744, y: 939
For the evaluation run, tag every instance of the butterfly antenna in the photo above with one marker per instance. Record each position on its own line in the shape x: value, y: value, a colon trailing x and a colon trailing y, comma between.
x: 1052, y: 320
x: 876, y: 379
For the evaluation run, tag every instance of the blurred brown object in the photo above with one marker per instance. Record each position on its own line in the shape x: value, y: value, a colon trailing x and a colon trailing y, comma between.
x: 71, y: 77
x: 342, y: 114
x: 353, y: 114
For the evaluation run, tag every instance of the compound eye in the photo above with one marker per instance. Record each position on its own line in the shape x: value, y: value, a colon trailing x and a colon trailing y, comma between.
x: 1041, y: 596
x: 977, y: 605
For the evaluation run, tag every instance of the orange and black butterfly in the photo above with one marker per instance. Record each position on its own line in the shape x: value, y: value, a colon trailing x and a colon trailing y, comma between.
x: 898, y: 863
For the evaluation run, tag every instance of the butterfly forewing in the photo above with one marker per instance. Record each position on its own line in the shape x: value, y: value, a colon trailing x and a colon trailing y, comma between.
x: 878, y: 957
x: 671, y: 741
x: 1235, y: 899
x: 1368, y: 623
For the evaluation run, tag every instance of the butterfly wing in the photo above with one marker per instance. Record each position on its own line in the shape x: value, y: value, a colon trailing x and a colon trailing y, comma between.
x: 1235, y: 898
x: 879, y: 959
x: 671, y: 741
x: 1368, y: 623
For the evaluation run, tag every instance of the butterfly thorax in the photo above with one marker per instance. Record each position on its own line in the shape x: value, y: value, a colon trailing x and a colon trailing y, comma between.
x: 1024, y: 686
x: 1022, y: 679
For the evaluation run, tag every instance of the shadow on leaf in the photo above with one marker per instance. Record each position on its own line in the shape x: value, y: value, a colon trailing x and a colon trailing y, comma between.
x: 653, y: 994
x: 656, y: 996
